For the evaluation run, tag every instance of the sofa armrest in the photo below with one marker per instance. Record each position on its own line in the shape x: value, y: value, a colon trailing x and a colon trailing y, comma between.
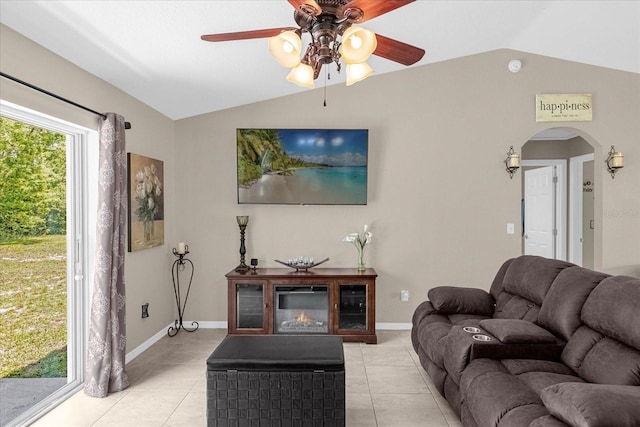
x: 454, y: 300
x: 517, y: 331
x: 462, y: 346
x: 591, y: 405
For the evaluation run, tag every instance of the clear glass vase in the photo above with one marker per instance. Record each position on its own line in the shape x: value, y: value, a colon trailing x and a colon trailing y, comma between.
x: 361, y: 264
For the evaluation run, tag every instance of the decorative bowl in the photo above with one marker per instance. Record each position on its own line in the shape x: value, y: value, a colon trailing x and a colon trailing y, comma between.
x: 301, y: 264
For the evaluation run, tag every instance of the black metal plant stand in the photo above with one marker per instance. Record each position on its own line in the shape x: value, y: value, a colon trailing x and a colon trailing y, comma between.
x: 179, y: 265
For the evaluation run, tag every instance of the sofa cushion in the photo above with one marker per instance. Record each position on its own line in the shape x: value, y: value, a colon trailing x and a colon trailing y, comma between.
x: 493, y: 393
x: 509, y: 306
x: 465, y: 319
x: 523, y: 415
x: 516, y: 331
x: 477, y: 368
x: 496, y: 286
x: 521, y: 366
x: 611, y: 362
x: 581, y: 342
x: 450, y: 299
x: 560, y: 311
x: 592, y: 405
x: 600, y: 359
x: 612, y: 309
x: 531, y: 276
x: 538, y: 381
x: 432, y: 338
x: 547, y: 421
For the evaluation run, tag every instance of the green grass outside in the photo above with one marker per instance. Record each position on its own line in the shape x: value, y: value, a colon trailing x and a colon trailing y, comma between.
x: 33, y: 308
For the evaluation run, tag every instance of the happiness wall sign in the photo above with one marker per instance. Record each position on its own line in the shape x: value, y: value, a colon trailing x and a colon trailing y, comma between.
x: 564, y: 107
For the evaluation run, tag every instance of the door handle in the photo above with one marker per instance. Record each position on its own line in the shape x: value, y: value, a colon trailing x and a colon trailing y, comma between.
x: 526, y: 236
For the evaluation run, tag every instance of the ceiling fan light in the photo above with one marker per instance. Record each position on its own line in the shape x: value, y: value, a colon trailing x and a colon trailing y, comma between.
x: 358, y: 72
x: 286, y: 48
x: 357, y: 45
x: 302, y: 75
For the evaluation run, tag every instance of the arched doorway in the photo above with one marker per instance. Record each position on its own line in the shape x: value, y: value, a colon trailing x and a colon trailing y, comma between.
x: 558, y: 192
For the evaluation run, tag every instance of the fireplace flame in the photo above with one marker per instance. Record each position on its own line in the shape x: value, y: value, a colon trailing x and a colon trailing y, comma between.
x: 302, y: 317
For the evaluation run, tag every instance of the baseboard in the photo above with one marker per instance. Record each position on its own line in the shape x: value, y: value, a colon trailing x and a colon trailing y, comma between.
x: 211, y: 324
x: 155, y: 338
x: 393, y: 326
x: 145, y: 345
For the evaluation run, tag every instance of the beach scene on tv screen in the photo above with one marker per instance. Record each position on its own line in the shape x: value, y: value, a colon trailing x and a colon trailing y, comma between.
x: 302, y: 166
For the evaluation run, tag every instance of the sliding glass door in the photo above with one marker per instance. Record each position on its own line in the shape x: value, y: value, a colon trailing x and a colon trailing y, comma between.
x: 46, y: 238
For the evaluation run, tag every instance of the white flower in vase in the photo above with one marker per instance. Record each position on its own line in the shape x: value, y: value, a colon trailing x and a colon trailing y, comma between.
x: 360, y: 241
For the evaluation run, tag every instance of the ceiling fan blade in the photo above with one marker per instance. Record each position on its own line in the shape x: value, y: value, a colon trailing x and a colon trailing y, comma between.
x: 397, y: 51
x: 305, y: 6
x: 373, y: 8
x: 244, y: 35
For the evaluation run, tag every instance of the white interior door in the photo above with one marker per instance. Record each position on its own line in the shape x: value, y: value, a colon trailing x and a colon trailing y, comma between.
x: 581, y: 210
x: 539, y: 212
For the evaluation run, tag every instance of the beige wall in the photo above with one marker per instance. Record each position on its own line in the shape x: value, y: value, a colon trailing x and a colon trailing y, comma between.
x: 148, y: 277
x: 439, y: 198
x: 555, y: 149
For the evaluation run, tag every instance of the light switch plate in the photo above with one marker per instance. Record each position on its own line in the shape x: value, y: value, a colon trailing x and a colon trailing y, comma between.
x: 511, y: 228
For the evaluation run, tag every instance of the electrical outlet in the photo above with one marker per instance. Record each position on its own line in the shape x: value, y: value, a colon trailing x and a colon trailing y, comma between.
x: 145, y: 310
x: 404, y: 296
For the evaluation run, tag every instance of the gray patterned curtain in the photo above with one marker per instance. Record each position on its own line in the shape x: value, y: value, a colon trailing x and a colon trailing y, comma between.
x: 107, y: 335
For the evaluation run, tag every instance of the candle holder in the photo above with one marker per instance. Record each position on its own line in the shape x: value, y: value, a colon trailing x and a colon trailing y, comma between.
x: 178, y: 266
x: 242, y: 223
x: 512, y: 162
x: 614, y: 162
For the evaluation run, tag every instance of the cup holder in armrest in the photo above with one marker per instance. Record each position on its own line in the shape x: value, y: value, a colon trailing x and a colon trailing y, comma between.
x: 471, y: 330
x: 481, y: 337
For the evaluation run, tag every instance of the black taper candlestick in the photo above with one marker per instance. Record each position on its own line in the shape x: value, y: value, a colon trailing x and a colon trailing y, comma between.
x: 242, y: 223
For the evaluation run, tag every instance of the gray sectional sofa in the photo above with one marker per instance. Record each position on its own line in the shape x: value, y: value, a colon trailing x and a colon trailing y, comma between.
x: 551, y: 344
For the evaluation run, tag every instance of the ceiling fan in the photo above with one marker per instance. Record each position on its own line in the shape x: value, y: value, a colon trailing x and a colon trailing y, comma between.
x: 333, y: 37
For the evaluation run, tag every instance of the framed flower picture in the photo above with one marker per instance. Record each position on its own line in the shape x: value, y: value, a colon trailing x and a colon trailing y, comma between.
x: 146, y: 202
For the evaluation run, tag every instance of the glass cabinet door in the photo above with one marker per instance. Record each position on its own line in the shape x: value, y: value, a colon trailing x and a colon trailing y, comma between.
x: 250, y: 306
x: 352, y: 307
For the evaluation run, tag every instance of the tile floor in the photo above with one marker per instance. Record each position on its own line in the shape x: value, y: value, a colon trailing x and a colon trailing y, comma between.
x: 385, y: 386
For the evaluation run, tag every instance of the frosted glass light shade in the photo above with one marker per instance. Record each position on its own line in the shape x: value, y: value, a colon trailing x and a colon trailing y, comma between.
x: 357, y: 72
x: 302, y: 75
x: 286, y: 47
x: 357, y: 45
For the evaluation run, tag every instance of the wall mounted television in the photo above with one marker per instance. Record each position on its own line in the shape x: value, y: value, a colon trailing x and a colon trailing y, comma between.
x: 302, y: 166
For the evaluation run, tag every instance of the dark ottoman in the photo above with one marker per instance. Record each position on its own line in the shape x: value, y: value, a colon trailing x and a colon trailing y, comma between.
x: 276, y: 380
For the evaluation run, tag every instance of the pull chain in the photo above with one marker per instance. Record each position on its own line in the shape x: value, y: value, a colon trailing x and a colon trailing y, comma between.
x: 326, y: 76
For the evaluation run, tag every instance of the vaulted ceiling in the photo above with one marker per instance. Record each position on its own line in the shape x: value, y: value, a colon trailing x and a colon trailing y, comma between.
x: 153, y: 51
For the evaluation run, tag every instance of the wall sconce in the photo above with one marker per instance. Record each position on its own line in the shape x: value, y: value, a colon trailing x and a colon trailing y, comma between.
x: 512, y: 162
x: 614, y: 162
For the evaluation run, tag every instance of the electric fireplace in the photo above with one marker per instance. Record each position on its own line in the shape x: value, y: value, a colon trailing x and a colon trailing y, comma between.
x: 301, y: 309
